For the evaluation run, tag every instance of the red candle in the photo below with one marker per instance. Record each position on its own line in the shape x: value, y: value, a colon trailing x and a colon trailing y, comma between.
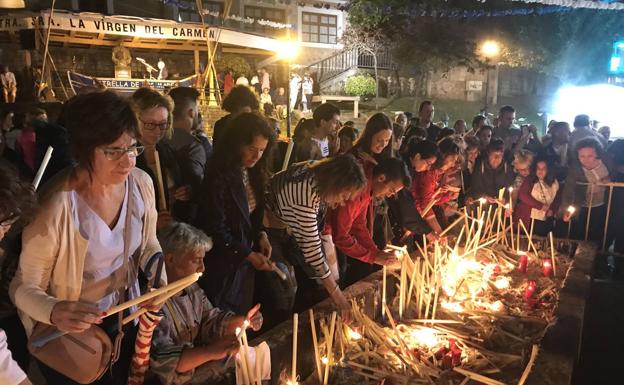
x: 529, y: 291
x: 547, y: 268
x: 447, y: 361
x: 523, y: 262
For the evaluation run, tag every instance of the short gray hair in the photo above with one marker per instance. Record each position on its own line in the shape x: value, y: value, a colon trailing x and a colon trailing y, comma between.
x: 179, y: 237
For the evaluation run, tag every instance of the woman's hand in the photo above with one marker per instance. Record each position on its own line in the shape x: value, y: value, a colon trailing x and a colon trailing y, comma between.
x: 223, y: 347
x: 344, y: 307
x: 260, y: 261
x: 567, y: 216
x: 74, y: 316
x: 163, y: 220
x: 385, y: 257
x: 264, y: 245
x: 183, y: 193
x: 255, y: 318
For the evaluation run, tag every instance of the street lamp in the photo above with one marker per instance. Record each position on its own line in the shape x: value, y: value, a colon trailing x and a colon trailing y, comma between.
x: 490, y: 49
x: 288, y: 51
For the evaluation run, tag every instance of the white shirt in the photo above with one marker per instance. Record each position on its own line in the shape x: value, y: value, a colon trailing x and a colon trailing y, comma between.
x: 324, y: 145
x: 105, y: 247
x: 544, y: 194
x: 8, y: 79
x: 10, y: 372
x: 307, y: 85
x: 242, y: 81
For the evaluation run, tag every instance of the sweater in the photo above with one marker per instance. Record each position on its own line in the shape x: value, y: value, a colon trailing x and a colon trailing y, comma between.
x: 53, y: 254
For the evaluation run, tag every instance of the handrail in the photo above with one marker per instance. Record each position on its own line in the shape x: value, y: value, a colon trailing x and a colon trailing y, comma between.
x: 346, y: 60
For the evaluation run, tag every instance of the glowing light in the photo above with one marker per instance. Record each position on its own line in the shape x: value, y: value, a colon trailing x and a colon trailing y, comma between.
x: 324, y: 360
x: 490, y: 48
x: 425, y: 337
x: 246, y: 324
x: 497, y: 306
x: 237, y: 331
x: 510, y: 189
x: 291, y: 382
x: 453, y: 306
x: 501, y: 283
x: 482, y: 201
x: 288, y: 50
x: 571, y: 209
x: 599, y: 101
x: 353, y: 334
x: 506, y: 206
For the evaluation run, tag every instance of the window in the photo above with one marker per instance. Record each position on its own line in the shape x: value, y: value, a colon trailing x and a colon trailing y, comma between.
x: 272, y: 14
x: 188, y: 12
x: 319, y: 28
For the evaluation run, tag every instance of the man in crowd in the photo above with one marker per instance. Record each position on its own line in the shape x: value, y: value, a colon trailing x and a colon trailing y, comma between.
x: 350, y: 225
x: 189, y: 151
x: 582, y: 130
x: 505, y: 129
x: 325, y: 135
x: 9, y: 85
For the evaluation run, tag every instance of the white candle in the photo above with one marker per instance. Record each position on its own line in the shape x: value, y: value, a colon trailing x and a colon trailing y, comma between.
x: 295, y: 331
x: 44, y: 164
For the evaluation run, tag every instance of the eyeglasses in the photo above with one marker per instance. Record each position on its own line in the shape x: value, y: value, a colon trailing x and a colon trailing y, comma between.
x: 115, y: 153
x: 151, y: 126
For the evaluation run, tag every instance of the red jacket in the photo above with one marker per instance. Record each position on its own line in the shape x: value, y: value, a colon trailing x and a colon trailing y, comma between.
x: 349, y: 224
x: 424, y: 185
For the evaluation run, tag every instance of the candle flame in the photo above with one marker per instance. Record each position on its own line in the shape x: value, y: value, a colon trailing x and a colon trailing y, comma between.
x: 482, y: 200
x: 455, y: 307
x: 246, y: 323
x: 324, y: 360
x: 425, y: 336
x: 547, y: 263
x: 571, y: 209
x: 237, y: 331
x: 353, y: 334
x: 506, y: 206
x: 501, y: 283
x: 510, y: 189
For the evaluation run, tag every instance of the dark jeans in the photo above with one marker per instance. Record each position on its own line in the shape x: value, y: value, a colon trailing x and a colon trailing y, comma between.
x: 355, y: 270
x: 542, y: 228
x: 118, y: 375
x: 307, y: 292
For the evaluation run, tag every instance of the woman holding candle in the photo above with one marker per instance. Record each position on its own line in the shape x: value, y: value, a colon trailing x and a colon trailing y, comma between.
x: 193, y: 332
x: 407, y: 223
x: 297, y: 199
x: 432, y: 187
x: 95, y: 229
x: 155, y: 115
x: 491, y: 173
x: 590, y: 166
x: 538, y: 198
x: 231, y: 208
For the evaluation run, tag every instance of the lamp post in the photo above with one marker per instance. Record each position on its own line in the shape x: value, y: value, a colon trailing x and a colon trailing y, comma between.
x: 287, y: 53
x: 490, y: 50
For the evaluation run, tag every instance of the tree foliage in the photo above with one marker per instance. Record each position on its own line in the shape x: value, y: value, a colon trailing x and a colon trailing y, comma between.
x: 428, y: 34
x: 236, y: 63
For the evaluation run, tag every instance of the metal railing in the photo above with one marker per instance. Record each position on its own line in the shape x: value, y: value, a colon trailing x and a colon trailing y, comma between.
x: 346, y: 60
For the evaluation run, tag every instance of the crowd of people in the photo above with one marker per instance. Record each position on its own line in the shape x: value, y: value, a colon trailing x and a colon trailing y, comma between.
x: 135, y: 196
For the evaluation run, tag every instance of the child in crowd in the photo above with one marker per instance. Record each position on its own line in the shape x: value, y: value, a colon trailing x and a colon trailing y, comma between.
x: 192, y: 332
x: 491, y: 173
x: 522, y: 167
x: 538, y: 198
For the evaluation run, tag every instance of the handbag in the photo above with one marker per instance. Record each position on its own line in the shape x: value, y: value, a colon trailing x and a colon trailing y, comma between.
x: 84, y: 357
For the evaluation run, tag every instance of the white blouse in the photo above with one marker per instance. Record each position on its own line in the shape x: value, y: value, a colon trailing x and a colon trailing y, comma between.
x: 105, y: 247
x: 544, y: 194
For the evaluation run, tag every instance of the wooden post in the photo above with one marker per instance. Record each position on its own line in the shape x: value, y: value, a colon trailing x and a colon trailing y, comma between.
x: 606, y: 226
x: 591, y: 201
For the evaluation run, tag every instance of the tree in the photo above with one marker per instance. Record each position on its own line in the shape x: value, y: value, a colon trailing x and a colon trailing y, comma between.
x: 433, y: 34
x: 371, y: 41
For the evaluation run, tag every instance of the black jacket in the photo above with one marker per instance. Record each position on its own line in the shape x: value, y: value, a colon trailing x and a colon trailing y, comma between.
x: 224, y: 216
x: 486, y: 181
x: 169, y: 167
x: 190, y: 155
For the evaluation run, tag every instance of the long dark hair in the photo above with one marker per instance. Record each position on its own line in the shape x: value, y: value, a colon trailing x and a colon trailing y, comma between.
x: 446, y: 147
x: 241, y: 131
x: 549, y: 179
x: 374, y: 124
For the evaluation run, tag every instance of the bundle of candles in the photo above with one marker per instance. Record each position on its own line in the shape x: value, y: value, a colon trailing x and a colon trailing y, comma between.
x: 461, y: 313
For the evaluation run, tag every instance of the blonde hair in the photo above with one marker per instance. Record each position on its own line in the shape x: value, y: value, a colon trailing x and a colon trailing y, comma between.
x: 523, y: 157
x: 146, y: 98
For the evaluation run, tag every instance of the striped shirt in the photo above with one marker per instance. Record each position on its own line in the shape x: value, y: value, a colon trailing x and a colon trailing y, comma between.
x: 294, y: 198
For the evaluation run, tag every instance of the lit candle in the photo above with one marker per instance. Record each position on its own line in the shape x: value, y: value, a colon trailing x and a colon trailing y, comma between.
x: 523, y: 261
x: 547, y: 268
x: 571, y: 210
x: 510, y: 189
x: 383, y: 290
x: 529, y: 291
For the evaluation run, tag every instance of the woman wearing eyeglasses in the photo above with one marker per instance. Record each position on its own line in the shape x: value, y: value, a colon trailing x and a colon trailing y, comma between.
x: 96, y: 227
x: 155, y: 116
